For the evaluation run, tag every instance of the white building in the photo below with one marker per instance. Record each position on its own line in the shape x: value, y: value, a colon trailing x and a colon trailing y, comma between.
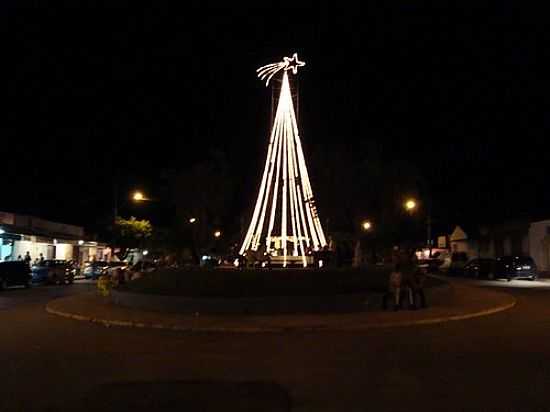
x: 20, y: 234
x: 521, y: 238
x: 539, y: 244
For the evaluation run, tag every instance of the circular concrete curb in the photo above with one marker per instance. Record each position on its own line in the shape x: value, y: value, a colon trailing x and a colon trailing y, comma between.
x: 262, y: 305
x: 318, y: 328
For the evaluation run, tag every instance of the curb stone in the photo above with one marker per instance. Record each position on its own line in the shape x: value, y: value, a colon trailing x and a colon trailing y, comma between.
x: 318, y: 328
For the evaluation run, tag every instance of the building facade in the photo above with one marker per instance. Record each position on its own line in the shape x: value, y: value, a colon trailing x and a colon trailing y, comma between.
x: 20, y: 234
x: 518, y: 238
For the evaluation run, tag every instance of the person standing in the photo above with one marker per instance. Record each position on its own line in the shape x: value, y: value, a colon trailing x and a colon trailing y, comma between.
x: 394, y: 289
x: 417, y: 287
x: 28, y: 258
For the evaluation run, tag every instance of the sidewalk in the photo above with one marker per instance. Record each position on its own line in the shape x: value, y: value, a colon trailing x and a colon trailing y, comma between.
x: 465, y: 302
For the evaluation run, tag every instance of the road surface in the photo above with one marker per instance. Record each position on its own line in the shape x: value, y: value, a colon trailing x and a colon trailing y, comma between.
x: 496, y: 363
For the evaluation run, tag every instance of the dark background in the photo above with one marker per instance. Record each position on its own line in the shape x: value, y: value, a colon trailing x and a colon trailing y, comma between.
x: 96, y: 95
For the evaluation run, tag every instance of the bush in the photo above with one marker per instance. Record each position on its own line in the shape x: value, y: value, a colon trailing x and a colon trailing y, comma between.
x: 250, y: 283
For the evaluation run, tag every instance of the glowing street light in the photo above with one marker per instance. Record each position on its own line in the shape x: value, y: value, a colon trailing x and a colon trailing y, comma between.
x: 193, y: 220
x: 138, y: 196
x: 145, y: 252
x: 217, y: 234
x: 366, y: 225
x: 410, y: 205
x: 80, y: 242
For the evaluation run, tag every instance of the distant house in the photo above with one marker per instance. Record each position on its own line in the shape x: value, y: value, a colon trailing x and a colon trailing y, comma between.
x: 539, y: 244
x: 464, y: 240
x: 520, y: 238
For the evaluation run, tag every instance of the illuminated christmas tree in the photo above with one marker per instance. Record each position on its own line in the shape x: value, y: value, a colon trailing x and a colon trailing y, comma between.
x: 285, y: 220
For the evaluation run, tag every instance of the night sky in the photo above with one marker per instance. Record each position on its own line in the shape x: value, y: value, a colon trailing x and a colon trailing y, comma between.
x: 94, y: 94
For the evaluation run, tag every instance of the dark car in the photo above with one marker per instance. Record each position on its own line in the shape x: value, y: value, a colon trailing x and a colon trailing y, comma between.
x: 458, y: 261
x: 480, y: 268
x: 516, y: 267
x: 15, y: 273
x: 53, y: 271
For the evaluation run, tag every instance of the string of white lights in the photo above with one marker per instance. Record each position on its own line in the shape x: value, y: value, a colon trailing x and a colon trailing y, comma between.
x: 308, y: 192
x: 275, y: 196
x: 291, y: 190
x: 258, y: 233
x: 299, y: 219
x: 249, y: 234
x: 285, y: 191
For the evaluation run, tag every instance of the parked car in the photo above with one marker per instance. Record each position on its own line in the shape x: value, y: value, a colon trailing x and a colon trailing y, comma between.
x: 480, y: 268
x: 54, y: 271
x: 433, y: 264
x: 516, y: 267
x: 93, y: 270
x: 15, y: 273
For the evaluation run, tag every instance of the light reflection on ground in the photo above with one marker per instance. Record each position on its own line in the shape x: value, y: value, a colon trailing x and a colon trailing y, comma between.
x: 519, y: 283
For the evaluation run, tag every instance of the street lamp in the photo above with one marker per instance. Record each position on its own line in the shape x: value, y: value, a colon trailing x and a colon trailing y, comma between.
x: 138, y: 196
x: 410, y: 205
x: 366, y: 225
x: 192, y: 220
x: 217, y: 234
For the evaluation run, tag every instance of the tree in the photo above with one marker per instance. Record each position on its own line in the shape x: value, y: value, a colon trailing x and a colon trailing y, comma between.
x: 129, y: 234
x: 205, y: 192
x: 366, y: 182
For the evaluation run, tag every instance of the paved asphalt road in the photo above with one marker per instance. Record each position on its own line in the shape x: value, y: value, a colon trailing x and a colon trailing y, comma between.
x: 496, y: 363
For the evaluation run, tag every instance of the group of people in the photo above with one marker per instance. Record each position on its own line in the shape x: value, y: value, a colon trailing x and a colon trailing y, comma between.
x: 27, y: 259
x: 406, y: 283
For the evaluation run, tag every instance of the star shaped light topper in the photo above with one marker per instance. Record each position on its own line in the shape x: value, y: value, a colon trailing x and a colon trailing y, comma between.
x: 288, y: 63
x: 293, y: 63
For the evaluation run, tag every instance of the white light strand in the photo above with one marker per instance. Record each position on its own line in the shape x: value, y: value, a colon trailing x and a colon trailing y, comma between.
x: 292, y: 188
x: 275, y: 196
x: 285, y: 189
x: 288, y: 63
x: 308, y: 193
x: 300, y: 222
x: 269, y: 180
x: 285, y: 162
x: 248, y: 238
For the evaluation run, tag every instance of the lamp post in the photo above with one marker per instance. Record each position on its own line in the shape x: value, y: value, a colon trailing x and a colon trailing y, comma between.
x: 358, y: 257
x: 366, y: 225
x: 138, y: 196
x: 411, y: 206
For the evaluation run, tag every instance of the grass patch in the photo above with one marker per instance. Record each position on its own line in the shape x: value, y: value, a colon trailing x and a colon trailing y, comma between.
x: 257, y: 283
